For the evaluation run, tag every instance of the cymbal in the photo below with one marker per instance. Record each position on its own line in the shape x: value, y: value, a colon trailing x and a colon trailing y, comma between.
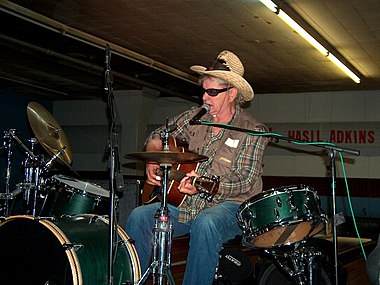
x: 167, y: 157
x: 49, y: 133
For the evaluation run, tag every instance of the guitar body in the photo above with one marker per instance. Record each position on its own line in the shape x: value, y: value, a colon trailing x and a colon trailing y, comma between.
x: 152, y: 193
x: 206, y: 185
x: 175, y: 197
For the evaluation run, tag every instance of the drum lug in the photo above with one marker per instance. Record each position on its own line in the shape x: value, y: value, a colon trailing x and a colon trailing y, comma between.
x: 276, y: 213
x: 68, y: 246
x: 279, y: 202
x: 292, y: 204
x: 93, y: 219
x: 52, y: 219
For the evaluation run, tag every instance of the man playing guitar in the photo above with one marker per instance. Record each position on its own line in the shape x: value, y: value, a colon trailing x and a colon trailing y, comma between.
x: 234, y: 157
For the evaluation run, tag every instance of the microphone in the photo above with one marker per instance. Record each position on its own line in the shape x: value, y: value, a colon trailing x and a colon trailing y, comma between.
x: 202, y: 111
x: 119, y: 183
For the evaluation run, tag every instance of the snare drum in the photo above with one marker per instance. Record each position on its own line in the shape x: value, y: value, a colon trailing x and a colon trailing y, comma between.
x: 72, y: 250
x: 280, y: 216
x: 71, y: 196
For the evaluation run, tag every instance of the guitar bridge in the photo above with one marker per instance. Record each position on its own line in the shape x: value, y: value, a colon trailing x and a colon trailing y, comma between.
x: 207, y: 186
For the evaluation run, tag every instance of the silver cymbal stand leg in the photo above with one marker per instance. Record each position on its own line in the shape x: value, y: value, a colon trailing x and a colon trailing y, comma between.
x: 9, y: 145
x: 162, y: 230
x: 162, y: 241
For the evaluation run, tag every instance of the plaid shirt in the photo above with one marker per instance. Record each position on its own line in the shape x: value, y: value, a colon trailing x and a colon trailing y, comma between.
x: 235, y: 157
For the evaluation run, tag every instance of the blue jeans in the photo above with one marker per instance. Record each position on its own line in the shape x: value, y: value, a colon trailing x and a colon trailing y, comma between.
x: 208, y: 232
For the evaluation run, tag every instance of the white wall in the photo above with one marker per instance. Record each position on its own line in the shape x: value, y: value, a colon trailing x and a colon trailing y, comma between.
x: 86, y: 125
x: 356, y: 110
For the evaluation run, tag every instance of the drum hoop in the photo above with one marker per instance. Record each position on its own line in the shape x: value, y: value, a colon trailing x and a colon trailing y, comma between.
x: 268, y: 193
x: 274, y: 225
x: 72, y: 256
x: 82, y: 186
x: 275, y: 192
x: 80, y: 192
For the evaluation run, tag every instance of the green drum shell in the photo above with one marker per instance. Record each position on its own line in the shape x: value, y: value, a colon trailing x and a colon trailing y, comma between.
x: 74, y: 202
x: 280, y: 208
x: 70, y: 196
x: 71, y: 251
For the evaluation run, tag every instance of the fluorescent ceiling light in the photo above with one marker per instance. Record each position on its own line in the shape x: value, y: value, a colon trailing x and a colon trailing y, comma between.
x: 311, y: 40
x: 344, y: 68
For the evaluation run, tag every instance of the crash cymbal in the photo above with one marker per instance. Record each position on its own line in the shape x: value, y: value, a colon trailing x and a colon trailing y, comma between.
x: 167, y: 157
x: 49, y: 133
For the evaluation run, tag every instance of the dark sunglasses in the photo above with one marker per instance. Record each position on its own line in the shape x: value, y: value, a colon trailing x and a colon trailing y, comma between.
x: 214, y: 92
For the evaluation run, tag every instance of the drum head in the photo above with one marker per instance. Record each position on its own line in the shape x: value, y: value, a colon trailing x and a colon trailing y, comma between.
x: 67, y: 251
x: 31, y: 250
x: 82, y: 185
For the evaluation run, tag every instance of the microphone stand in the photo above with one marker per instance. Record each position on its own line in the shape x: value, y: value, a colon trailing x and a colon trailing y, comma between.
x: 332, y: 149
x: 114, y: 163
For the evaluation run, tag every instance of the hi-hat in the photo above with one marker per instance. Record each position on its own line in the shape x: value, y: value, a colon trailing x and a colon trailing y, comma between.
x: 167, y: 157
x: 49, y: 133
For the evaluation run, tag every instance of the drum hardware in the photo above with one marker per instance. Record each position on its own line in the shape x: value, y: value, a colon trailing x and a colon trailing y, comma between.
x: 162, y: 231
x: 305, y: 262
x: 8, y: 144
x: 115, y: 175
x: 48, y: 164
x: 333, y: 150
x: 10, y: 136
x: 298, y: 263
x: 76, y: 247
x: 12, y: 195
x: 36, y: 169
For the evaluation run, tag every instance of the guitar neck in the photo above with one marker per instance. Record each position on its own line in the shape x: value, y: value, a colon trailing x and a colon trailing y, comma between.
x: 176, y: 175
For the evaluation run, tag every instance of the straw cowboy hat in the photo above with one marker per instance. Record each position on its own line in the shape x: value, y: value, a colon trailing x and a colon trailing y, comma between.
x: 228, y: 67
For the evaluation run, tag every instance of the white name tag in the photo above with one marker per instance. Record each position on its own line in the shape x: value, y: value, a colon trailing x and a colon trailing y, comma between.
x: 232, y: 143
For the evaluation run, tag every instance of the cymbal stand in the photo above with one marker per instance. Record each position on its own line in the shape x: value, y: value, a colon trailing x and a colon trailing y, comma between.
x: 332, y: 155
x: 32, y: 172
x: 162, y: 231
x: 8, y: 142
x: 115, y: 175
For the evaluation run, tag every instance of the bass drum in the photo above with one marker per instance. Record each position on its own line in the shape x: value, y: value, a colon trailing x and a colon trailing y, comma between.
x: 68, y: 251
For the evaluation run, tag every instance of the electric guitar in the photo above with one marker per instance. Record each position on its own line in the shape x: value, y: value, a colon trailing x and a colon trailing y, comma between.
x: 207, y: 186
